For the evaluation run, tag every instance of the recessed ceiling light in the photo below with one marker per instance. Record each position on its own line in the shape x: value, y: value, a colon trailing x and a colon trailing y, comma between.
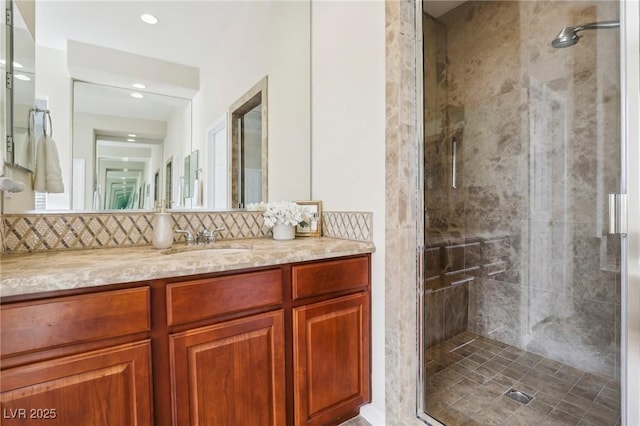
x: 137, y: 95
x: 22, y: 77
x: 139, y: 86
x: 131, y: 135
x: 123, y: 177
x: 149, y: 18
x: 125, y: 158
x: 131, y: 140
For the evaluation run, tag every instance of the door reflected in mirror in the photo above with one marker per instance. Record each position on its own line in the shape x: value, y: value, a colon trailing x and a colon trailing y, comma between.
x: 249, y: 119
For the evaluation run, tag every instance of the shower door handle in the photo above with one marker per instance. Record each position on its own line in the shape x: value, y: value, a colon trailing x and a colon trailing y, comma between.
x: 454, y: 155
x: 618, y: 214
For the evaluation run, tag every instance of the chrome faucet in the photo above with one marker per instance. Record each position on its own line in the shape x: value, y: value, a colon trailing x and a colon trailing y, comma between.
x: 207, y: 237
x: 188, y: 238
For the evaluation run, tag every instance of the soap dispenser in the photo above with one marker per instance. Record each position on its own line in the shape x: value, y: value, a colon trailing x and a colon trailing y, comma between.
x: 162, y: 227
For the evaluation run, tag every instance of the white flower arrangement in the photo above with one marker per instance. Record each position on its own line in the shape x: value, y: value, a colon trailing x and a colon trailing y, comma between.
x: 283, y: 212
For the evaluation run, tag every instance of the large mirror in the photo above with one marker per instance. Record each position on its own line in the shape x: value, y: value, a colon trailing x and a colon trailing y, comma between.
x: 231, y: 45
x: 20, y: 115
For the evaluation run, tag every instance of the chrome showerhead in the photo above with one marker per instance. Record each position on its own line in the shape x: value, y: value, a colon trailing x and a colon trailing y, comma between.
x: 568, y: 36
x: 565, y: 38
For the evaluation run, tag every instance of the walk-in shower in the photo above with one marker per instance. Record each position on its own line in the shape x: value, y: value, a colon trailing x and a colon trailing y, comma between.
x: 568, y: 36
x: 521, y: 280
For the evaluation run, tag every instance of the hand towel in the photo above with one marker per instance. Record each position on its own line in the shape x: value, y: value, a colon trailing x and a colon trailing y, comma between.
x: 48, y: 176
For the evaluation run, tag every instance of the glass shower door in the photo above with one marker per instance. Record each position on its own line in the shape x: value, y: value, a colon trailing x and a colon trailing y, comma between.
x: 522, y: 147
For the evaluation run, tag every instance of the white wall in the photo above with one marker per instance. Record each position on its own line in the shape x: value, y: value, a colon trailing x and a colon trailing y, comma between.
x: 348, y: 138
x: 254, y: 47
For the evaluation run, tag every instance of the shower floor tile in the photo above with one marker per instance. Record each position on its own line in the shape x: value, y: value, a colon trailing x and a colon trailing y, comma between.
x: 468, y: 376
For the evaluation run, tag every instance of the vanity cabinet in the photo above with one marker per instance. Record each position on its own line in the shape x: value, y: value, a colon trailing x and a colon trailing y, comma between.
x: 331, y: 340
x: 230, y: 372
x: 274, y: 346
x: 331, y: 358
x: 67, y: 364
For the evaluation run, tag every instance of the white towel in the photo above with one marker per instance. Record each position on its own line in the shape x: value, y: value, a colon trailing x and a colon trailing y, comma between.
x: 48, y: 176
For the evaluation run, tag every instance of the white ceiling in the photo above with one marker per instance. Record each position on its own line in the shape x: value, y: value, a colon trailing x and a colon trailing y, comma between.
x: 116, y: 102
x: 186, y: 29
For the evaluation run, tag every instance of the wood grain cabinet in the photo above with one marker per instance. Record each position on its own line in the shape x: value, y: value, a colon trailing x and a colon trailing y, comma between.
x: 107, y: 387
x: 232, y: 373
x: 279, y: 346
x: 331, y: 358
x: 83, y: 359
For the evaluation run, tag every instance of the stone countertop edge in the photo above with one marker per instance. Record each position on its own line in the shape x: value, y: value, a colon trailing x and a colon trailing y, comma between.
x: 64, y: 270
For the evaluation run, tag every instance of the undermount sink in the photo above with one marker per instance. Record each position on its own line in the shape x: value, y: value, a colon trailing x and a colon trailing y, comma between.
x: 209, y: 249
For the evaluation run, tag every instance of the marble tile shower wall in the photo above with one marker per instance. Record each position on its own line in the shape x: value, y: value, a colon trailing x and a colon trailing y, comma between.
x: 537, y: 138
x: 73, y: 231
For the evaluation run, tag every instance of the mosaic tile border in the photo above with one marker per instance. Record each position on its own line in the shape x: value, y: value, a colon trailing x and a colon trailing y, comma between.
x: 75, y: 231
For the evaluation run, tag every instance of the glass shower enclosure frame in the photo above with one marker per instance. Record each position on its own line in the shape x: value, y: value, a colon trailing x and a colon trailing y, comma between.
x: 628, y: 366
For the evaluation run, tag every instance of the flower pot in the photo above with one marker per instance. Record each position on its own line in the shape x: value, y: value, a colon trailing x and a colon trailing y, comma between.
x: 284, y: 232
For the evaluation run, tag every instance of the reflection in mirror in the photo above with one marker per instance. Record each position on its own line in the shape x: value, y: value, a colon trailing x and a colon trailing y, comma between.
x: 119, y: 143
x: 192, y: 175
x: 23, y: 93
x: 218, y: 50
x: 249, y: 123
x: 4, y: 119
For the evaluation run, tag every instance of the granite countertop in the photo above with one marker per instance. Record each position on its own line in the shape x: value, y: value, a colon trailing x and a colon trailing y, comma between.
x: 63, y: 270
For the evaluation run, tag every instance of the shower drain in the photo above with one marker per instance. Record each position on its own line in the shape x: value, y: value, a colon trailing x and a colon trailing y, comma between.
x: 521, y: 397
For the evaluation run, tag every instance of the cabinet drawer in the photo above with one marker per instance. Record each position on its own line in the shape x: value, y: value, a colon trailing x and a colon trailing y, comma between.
x: 329, y: 277
x: 193, y: 300
x: 60, y: 321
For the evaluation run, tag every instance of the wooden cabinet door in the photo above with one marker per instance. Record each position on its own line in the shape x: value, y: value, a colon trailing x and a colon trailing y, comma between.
x: 331, y: 349
x: 230, y: 373
x: 107, y: 387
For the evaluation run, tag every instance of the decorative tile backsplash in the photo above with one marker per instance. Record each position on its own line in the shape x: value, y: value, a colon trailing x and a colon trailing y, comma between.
x: 65, y: 231
x: 348, y: 225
